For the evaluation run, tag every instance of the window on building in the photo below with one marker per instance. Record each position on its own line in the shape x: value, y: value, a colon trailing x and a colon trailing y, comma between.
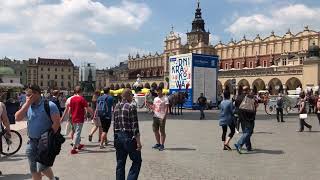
x: 41, y: 76
x: 284, y: 62
x: 62, y: 69
x: 265, y: 64
x: 226, y: 67
x: 48, y: 69
x: 251, y: 64
x: 55, y: 76
x: 62, y: 77
x: 35, y: 71
x: 301, y: 60
x: 62, y: 84
x: 55, y: 69
x: 11, y: 81
x: 48, y: 83
x: 41, y: 69
x: 69, y: 84
x: 20, y: 73
x: 41, y: 83
x: 69, y: 76
x: 238, y: 65
x: 48, y: 76
x: 69, y: 69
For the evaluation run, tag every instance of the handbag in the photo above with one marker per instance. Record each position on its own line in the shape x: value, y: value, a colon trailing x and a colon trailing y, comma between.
x: 247, y: 104
x: 303, y: 116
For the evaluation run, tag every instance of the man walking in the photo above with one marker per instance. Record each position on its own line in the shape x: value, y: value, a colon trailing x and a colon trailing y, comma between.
x: 279, y: 106
x: 247, y: 111
x: 4, y: 120
x: 38, y: 123
x: 202, y: 101
x: 127, y: 137
x: 104, y: 112
x: 160, y: 109
x: 77, y: 107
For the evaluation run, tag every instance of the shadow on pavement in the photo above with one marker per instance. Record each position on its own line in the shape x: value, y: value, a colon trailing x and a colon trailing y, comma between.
x: 180, y: 149
x: 265, y: 151
x: 86, y: 151
x: 13, y: 158
x: 261, y: 132
x: 15, y: 176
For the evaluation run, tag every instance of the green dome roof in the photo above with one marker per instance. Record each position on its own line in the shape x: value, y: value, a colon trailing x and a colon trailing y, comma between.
x: 6, y: 71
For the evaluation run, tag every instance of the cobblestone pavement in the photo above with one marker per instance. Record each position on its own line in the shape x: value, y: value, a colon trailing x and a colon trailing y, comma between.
x: 194, y: 152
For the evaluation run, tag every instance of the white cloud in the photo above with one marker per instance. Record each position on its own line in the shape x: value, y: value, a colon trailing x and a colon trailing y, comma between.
x: 66, y: 29
x: 292, y: 16
x: 248, y: 1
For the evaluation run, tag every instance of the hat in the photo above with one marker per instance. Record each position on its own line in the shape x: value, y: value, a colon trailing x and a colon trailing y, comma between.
x: 35, y: 88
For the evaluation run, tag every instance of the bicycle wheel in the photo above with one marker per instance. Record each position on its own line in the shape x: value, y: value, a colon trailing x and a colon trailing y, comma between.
x: 11, y: 145
x: 270, y: 109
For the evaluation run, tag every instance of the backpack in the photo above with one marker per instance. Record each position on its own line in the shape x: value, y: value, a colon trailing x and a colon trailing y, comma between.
x: 102, y: 107
x: 280, y: 102
x: 248, y: 105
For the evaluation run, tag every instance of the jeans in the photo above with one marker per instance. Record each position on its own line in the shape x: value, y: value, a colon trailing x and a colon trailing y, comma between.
x: 245, y: 139
x: 201, y: 108
x: 280, y: 111
x: 303, y: 123
x: 31, y: 152
x: 125, y: 145
x: 77, y: 134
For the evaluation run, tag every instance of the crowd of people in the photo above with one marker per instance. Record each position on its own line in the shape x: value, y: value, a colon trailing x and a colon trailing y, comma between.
x: 234, y: 113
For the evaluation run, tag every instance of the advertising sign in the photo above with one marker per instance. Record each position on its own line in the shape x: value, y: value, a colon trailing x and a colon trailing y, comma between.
x: 180, y: 71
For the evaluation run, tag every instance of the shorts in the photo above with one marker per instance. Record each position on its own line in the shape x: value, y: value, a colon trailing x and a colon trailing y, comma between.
x: 159, y: 124
x: 97, y: 122
x: 105, y: 124
x: 31, y: 152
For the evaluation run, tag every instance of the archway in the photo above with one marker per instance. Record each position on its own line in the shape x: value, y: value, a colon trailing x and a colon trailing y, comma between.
x: 123, y: 86
x: 228, y: 86
x: 128, y: 86
x: 293, y: 83
x: 242, y: 83
x: 258, y: 85
x: 154, y: 85
x: 219, y: 88
x: 161, y: 85
x: 147, y: 85
x: 117, y: 86
x: 275, y: 86
x: 112, y: 86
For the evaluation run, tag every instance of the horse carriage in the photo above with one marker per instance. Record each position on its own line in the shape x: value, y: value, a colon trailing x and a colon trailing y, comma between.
x: 290, y: 104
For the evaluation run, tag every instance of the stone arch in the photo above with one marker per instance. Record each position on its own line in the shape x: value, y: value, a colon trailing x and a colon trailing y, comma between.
x: 123, y: 86
x: 161, y: 85
x: 154, y: 85
x: 228, y: 86
x: 117, y: 87
x: 128, y: 85
x: 273, y: 85
x: 219, y: 87
x: 258, y: 85
x: 112, y: 86
x: 147, y: 85
x: 242, y: 83
x: 293, y: 83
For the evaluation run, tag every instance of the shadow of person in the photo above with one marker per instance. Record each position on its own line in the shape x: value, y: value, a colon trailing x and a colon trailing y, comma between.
x: 181, y: 149
x: 15, y: 176
x: 265, y: 151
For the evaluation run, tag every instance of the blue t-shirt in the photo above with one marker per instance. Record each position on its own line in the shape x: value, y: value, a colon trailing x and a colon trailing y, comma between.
x: 109, y: 103
x: 38, y: 119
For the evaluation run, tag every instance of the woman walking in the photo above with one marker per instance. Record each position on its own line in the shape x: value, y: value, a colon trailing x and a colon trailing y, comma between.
x: 96, y: 119
x: 303, y: 113
x: 226, y: 119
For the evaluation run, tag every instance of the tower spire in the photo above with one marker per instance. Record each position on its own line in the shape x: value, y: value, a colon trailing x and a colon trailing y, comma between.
x: 198, y: 2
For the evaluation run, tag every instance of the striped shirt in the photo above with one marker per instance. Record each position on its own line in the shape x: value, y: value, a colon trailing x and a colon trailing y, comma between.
x: 126, y: 118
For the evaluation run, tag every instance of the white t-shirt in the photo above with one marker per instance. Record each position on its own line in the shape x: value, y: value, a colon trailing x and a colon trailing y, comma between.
x: 160, y: 106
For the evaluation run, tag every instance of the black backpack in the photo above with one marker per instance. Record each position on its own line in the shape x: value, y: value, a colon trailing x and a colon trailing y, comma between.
x: 50, y: 143
x: 280, y: 102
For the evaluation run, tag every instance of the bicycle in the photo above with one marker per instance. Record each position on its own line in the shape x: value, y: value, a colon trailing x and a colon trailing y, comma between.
x: 9, y: 145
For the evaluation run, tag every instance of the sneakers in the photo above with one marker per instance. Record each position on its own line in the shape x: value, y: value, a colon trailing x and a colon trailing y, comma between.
x: 90, y: 138
x: 56, y: 178
x: 227, y: 147
x: 156, y: 146
x: 80, y: 146
x: 238, y: 148
x: 102, y: 146
x: 73, y: 151
x: 161, y: 148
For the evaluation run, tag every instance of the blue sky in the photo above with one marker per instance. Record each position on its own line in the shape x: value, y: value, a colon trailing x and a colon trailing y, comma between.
x: 106, y: 31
